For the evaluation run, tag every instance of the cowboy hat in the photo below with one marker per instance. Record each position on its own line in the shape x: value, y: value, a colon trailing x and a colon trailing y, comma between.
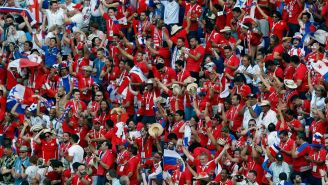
x: 160, y: 100
x: 290, y: 84
x: 176, y: 89
x: 189, y: 80
x: 265, y: 103
x: 155, y: 130
x: 23, y: 149
x: 226, y: 29
x: 116, y: 110
x: 286, y: 39
x: 87, y: 68
x: 192, y: 88
x: 175, y: 29
x: 36, y: 128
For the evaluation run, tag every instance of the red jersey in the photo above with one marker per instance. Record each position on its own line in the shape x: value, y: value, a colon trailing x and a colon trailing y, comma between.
x: 301, y: 74
x: 193, y: 65
x: 288, y: 146
x: 293, y: 9
x: 232, y: 61
x: 235, y: 119
x: 107, y: 157
x: 77, y: 181
x: 111, y: 27
x: 195, y: 11
x: 49, y: 149
x: 318, y: 156
x: 278, y: 28
x: 175, y: 129
x: 133, y: 163
x: 300, y: 164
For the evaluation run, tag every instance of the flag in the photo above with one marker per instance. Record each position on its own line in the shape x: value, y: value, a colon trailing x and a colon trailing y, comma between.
x: 322, y: 68
x: 187, y: 135
x: 19, y: 93
x: 19, y: 11
x: 171, y: 160
x: 274, y: 149
x: 136, y: 70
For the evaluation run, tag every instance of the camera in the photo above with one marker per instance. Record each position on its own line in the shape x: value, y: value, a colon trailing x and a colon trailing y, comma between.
x: 239, y: 178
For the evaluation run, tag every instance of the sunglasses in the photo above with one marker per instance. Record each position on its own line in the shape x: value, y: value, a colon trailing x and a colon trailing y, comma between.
x: 98, y: 94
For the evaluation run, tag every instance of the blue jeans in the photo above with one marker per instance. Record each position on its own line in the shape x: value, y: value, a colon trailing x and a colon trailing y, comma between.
x: 189, y: 112
x: 101, y: 180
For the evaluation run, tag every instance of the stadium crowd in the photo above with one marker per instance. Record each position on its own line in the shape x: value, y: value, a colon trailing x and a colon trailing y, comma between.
x: 173, y: 92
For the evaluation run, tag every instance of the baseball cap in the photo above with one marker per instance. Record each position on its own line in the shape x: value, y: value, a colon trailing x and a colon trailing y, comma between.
x: 279, y: 157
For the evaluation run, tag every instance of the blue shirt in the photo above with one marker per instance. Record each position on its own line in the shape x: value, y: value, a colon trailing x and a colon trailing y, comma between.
x: 50, y: 55
x: 98, y: 64
x: 18, y: 167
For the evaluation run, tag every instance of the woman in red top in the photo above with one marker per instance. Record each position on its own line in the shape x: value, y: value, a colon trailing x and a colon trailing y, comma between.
x: 277, y: 26
x: 49, y: 144
x: 103, y: 113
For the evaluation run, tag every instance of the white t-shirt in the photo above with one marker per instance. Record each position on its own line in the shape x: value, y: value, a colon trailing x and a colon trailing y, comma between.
x: 270, y: 117
x: 55, y: 18
x: 78, y: 19
x: 171, y: 12
x: 77, y: 152
x: 31, y: 172
x: 249, y: 69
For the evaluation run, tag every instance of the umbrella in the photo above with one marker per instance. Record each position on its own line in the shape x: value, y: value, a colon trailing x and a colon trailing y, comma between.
x: 22, y: 63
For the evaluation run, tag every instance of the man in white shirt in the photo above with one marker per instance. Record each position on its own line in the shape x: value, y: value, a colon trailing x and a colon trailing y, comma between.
x: 77, y: 16
x: 171, y: 12
x: 252, y: 110
x: 55, y: 15
x: 267, y: 115
x: 75, y: 152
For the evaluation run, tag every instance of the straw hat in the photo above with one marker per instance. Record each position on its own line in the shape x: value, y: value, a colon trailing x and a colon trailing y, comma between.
x: 176, y: 89
x: 189, y: 80
x: 117, y: 110
x: 226, y: 29
x: 192, y: 88
x: 265, y: 103
x: 155, y: 129
x: 286, y: 39
x: 87, y: 68
x: 290, y: 84
x: 175, y: 29
x: 36, y: 128
x: 160, y: 100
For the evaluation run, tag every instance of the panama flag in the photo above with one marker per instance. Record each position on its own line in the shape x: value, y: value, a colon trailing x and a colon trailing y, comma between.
x: 274, y: 149
x: 322, y: 68
x: 22, y: 94
x: 171, y: 160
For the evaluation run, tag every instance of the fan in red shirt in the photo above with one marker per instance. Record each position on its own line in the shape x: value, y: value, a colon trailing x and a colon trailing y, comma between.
x: 81, y: 177
x: 111, y: 26
x: 317, y: 158
x: 194, y: 11
x: 231, y: 62
x: 286, y: 146
x: 105, y: 158
x: 77, y: 106
x: 281, y: 48
x: 302, y: 150
x: 277, y: 26
x: 235, y: 113
x: 133, y: 166
x: 85, y: 83
x: 300, y: 76
x: 49, y: 144
x: 165, y: 74
x: 96, y: 134
x: 195, y: 57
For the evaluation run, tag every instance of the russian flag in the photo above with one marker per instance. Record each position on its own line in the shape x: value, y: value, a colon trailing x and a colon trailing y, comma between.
x: 19, y: 11
x: 172, y: 160
x: 21, y: 93
x: 322, y: 68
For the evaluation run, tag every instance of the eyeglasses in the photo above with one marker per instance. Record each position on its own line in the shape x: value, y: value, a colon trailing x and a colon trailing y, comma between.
x: 47, y: 135
x: 275, y: 17
x: 98, y: 94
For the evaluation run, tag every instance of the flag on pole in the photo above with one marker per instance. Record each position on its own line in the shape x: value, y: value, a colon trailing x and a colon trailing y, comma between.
x: 322, y: 68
